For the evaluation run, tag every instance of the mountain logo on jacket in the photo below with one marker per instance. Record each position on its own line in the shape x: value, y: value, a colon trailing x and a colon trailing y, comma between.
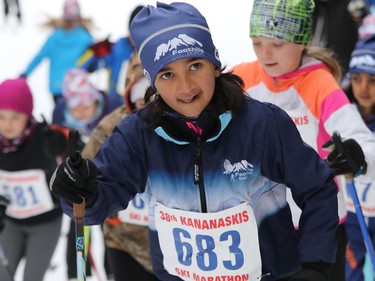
x: 189, y: 46
x: 238, y: 171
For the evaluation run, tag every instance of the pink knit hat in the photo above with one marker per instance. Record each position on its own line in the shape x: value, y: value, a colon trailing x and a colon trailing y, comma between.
x: 72, y: 10
x: 16, y: 95
x: 78, y: 90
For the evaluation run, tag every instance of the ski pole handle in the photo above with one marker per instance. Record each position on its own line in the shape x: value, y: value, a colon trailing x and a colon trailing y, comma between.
x: 336, y: 139
x: 75, y: 157
x: 78, y: 212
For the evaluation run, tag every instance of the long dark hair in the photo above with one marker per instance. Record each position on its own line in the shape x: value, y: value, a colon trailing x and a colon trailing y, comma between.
x: 228, y: 96
x: 350, y: 94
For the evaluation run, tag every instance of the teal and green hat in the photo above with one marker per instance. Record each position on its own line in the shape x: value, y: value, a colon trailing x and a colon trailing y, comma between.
x: 288, y: 20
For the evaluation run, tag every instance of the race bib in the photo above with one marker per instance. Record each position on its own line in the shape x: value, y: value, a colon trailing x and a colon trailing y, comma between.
x: 135, y: 213
x: 209, y: 246
x: 27, y: 191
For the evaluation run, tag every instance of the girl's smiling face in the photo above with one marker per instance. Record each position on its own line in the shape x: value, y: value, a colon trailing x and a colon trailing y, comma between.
x: 187, y: 85
x: 277, y: 57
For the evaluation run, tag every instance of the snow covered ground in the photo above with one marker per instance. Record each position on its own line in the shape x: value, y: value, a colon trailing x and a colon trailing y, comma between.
x: 19, y: 42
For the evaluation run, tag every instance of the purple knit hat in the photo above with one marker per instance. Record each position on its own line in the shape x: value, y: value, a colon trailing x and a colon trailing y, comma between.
x: 169, y: 32
x: 16, y: 95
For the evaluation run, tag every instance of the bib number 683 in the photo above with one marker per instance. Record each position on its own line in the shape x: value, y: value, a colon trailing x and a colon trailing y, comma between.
x: 204, y: 248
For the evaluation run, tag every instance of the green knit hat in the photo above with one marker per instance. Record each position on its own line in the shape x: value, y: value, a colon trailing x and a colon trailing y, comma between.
x: 288, y: 20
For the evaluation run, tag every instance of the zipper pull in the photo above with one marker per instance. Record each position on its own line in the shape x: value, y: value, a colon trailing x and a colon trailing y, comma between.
x: 197, y: 161
x: 264, y: 275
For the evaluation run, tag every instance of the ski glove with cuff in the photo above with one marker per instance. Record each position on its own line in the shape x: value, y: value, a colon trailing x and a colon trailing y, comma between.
x: 346, y: 156
x: 4, y: 202
x: 75, y: 179
x: 313, y: 271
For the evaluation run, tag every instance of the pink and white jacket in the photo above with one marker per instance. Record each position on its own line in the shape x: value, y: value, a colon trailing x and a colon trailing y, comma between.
x: 317, y: 105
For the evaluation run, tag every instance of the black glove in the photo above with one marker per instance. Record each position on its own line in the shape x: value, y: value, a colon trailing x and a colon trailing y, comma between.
x: 346, y: 156
x: 75, y: 179
x: 55, y: 140
x: 313, y: 271
x: 4, y: 202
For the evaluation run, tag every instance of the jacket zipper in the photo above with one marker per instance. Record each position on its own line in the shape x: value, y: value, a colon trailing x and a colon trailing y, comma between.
x: 198, y: 175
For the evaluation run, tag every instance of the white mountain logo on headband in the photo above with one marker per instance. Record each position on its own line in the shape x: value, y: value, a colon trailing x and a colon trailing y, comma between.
x: 173, y: 44
x: 365, y: 60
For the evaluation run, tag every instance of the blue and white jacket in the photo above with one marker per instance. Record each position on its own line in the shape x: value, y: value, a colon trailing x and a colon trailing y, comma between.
x: 137, y: 160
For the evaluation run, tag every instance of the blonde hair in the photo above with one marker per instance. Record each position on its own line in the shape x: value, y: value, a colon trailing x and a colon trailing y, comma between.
x: 85, y: 23
x: 328, y: 57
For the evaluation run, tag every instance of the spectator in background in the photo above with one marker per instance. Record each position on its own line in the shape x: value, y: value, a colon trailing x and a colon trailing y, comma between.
x: 69, y: 39
x: 336, y: 28
x: 14, y: 6
x: 361, y: 92
x: 114, y: 57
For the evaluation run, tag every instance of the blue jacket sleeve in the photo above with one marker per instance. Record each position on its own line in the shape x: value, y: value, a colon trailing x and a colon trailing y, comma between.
x: 43, y: 53
x: 310, y: 180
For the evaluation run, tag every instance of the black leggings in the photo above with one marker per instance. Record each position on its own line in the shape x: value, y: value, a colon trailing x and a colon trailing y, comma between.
x: 126, y: 268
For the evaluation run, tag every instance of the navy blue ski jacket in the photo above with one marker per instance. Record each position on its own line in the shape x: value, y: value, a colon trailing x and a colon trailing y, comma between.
x: 261, y: 142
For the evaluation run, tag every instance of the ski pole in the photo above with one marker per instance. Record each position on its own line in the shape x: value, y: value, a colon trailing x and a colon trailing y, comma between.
x: 336, y: 139
x: 358, y: 210
x: 79, y: 214
x: 5, y: 273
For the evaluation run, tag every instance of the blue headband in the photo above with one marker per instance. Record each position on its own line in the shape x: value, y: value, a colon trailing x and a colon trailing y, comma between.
x: 363, y: 56
x: 169, y: 32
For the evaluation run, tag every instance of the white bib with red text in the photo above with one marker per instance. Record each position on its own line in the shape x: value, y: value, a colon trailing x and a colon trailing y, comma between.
x: 135, y: 213
x: 209, y: 246
x: 27, y: 191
